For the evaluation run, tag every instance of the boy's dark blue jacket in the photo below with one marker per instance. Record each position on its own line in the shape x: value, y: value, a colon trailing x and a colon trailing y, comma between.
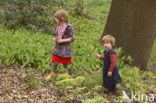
x: 115, y: 78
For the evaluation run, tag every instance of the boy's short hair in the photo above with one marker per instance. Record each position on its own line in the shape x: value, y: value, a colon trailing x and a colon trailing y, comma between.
x: 108, y: 38
x: 62, y: 15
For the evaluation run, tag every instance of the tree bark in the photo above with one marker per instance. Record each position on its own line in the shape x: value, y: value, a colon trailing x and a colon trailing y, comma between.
x: 133, y: 24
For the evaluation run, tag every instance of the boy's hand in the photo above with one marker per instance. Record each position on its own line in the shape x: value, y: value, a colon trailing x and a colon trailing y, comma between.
x: 109, y: 74
x: 97, y: 55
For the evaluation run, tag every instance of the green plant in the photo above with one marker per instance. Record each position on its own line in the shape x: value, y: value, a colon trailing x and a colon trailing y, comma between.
x: 97, y: 99
x: 25, y: 48
x: 132, y: 80
x: 64, y: 82
x: 34, y: 14
x: 31, y: 80
x: 76, y: 91
x: 130, y: 60
x: 102, y: 6
x: 37, y: 15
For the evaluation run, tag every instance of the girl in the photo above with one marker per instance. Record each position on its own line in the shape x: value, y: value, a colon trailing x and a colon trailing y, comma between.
x: 63, y: 35
x: 110, y: 71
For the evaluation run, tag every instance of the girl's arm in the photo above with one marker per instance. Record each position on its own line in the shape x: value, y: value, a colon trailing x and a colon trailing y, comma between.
x: 55, y: 39
x: 64, y: 40
x: 67, y: 40
x: 71, y: 35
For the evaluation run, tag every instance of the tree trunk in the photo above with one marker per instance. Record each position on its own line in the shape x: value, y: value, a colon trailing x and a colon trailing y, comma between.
x: 133, y: 24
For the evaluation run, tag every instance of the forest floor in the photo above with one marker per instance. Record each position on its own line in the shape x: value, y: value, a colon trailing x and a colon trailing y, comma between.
x: 14, y: 87
x: 19, y: 86
x: 28, y: 85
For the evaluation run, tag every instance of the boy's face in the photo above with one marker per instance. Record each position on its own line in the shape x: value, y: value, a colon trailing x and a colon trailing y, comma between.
x: 107, y: 45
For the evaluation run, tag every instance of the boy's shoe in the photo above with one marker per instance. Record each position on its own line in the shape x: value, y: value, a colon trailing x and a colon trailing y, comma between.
x: 50, y: 75
x: 113, y: 94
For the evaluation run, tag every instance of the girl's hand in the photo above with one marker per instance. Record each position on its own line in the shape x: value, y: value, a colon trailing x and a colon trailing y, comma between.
x: 60, y: 41
x: 97, y: 55
x: 109, y: 74
x: 55, y: 39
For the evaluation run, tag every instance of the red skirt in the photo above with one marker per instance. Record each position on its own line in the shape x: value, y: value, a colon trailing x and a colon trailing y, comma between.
x: 61, y: 59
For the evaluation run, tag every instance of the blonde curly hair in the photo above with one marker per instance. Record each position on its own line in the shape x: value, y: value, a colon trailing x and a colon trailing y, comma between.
x: 108, y: 38
x: 62, y: 15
